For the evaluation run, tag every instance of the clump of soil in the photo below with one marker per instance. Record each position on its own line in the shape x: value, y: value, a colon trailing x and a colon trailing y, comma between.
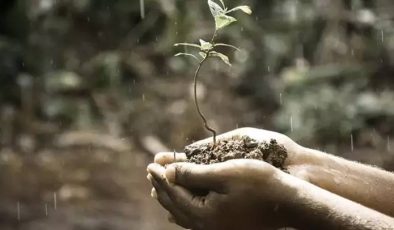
x: 237, y: 148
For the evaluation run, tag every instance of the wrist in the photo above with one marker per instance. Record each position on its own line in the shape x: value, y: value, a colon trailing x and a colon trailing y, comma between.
x: 301, y: 155
x: 302, y: 208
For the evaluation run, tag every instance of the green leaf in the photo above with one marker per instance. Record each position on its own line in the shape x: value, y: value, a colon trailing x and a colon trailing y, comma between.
x: 187, y: 44
x: 224, y: 58
x: 203, y: 55
x: 227, y: 45
x: 205, y: 46
x: 222, y: 2
x: 216, y: 10
x: 222, y: 21
x: 187, y: 54
x: 245, y: 9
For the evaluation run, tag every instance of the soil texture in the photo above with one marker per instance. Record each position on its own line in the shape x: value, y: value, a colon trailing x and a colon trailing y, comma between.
x: 237, y: 148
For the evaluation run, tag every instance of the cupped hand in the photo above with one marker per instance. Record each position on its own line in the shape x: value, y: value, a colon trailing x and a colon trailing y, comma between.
x: 296, y: 153
x: 236, y: 194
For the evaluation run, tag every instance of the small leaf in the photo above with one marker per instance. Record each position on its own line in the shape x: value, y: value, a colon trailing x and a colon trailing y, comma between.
x: 223, y: 21
x: 227, y: 45
x: 205, y: 46
x: 203, y: 55
x: 187, y: 44
x: 216, y: 10
x: 245, y: 9
x: 222, y: 2
x: 187, y: 54
x: 224, y: 58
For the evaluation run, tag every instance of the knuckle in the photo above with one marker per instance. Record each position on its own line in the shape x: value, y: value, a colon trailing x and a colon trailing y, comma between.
x: 159, y: 157
x: 183, y: 172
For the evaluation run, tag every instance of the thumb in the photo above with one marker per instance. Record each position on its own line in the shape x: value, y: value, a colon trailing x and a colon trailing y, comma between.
x: 195, y: 176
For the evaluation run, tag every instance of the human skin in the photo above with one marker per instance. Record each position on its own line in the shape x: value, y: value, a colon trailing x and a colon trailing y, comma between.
x: 250, y: 194
x: 253, y: 195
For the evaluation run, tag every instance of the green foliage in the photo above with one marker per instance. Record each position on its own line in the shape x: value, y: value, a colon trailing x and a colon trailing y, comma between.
x: 113, y: 52
x: 222, y: 20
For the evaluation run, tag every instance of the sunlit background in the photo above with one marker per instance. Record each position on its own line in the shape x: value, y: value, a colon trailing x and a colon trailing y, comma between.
x: 90, y: 90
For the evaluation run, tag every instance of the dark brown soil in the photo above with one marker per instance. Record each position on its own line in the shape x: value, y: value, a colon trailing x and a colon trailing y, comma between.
x: 237, y: 148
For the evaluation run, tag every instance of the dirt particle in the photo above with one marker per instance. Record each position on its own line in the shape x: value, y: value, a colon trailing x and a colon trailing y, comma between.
x: 237, y: 148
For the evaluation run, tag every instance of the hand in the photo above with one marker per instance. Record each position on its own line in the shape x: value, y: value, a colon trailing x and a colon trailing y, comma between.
x: 236, y: 194
x: 296, y: 162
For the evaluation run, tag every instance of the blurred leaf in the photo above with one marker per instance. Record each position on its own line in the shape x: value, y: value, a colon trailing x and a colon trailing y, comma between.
x: 222, y: 21
x: 245, y: 9
x: 222, y: 2
x: 187, y: 54
x: 205, y: 45
x: 187, y: 44
x: 202, y: 54
x: 63, y: 81
x: 216, y: 10
x: 224, y: 58
x: 227, y: 45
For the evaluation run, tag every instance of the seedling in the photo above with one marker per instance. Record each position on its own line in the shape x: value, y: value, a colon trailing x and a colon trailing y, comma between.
x: 207, y: 49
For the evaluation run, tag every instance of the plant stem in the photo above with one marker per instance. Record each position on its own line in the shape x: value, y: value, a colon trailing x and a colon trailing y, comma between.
x: 207, y: 127
x: 196, y: 100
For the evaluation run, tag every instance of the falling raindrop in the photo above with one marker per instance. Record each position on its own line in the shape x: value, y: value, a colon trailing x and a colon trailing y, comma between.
x: 143, y: 97
x: 280, y: 99
x: 291, y: 123
x: 352, y: 52
x: 54, y: 201
x: 269, y: 69
x: 382, y: 35
x: 237, y: 126
x: 388, y: 144
x: 18, y: 211
x: 46, y: 209
x: 142, y: 8
x: 351, y: 142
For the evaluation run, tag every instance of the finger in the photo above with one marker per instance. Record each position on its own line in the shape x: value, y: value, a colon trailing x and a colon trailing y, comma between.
x: 172, y: 219
x: 165, y: 158
x: 194, y: 176
x: 162, y: 197
x: 181, y: 198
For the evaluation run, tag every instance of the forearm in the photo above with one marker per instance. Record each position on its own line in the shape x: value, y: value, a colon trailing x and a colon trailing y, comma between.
x: 316, y: 208
x: 364, y: 184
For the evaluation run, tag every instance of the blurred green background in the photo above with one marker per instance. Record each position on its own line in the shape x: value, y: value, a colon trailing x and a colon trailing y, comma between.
x: 90, y: 90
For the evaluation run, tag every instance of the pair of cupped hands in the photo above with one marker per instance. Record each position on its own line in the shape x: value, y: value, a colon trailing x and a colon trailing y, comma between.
x: 236, y: 194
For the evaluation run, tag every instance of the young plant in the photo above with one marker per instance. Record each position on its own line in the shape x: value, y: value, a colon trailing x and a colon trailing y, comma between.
x: 207, y: 49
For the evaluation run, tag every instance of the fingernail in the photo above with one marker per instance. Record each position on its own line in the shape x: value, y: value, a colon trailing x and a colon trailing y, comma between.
x: 153, y: 193
x: 149, y: 177
x: 151, y: 168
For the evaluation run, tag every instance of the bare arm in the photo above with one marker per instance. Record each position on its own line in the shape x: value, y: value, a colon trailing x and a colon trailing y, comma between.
x: 321, y: 209
x: 367, y: 185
